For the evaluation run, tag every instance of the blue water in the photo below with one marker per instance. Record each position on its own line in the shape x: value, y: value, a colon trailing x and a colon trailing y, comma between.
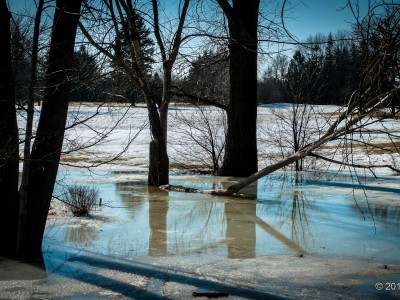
x: 317, y: 215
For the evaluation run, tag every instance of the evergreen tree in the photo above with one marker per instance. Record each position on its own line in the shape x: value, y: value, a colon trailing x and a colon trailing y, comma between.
x: 342, y: 73
x: 121, y: 85
x: 20, y: 55
x: 209, y: 77
x: 146, y: 43
x: 355, y: 67
x: 85, y: 77
x: 329, y: 72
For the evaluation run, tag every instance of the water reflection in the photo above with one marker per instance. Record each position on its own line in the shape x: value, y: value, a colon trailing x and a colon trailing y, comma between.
x: 158, y: 210
x: 195, y: 226
x: 383, y: 213
x: 185, y: 224
x: 241, y: 229
x: 292, y: 208
x: 133, y: 195
x: 289, y: 215
x: 81, y: 235
x: 300, y: 226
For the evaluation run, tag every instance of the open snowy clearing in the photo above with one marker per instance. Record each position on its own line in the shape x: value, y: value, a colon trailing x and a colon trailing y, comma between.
x: 116, y: 137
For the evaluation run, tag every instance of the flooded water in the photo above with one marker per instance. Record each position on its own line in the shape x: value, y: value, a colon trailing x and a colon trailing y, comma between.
x: 309, y: 215
x: 142, y: 231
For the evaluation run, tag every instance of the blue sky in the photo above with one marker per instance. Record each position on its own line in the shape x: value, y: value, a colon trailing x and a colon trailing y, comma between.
x: 20, y: 5
x: 305, y: 18
x: 309, y: 17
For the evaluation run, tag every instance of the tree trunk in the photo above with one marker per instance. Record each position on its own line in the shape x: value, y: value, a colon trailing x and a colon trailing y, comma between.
x: 158, y: 158
x: 9, y: 154
x: 165, y: 101
x: 241, y: 139
x: 46, y: 150
x: 23, y: 191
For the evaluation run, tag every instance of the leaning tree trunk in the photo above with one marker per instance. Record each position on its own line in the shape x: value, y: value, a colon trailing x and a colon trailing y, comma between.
x: 241, y: 141
x: 46, y: 150
x: 9, y: 154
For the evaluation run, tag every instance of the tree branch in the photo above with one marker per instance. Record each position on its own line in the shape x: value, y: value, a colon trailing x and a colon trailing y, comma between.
x: 359, y: 166
x: 182, y: 93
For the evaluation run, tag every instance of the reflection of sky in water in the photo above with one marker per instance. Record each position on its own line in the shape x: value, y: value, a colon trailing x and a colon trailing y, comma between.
x: 287, y: 218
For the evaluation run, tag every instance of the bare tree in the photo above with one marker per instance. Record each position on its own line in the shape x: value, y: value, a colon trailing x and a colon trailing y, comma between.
x: 199, y: 138
x: 168, y: 59
x: 9, y: 155
x: 24, y: 219
x: 366, y: 107
x: 289, y: 127
x: 299, y: 122
x: 118, y: 16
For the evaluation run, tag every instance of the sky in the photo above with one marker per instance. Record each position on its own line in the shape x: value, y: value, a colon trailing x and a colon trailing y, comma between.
x: 304, y: 17
x: 309, y: 17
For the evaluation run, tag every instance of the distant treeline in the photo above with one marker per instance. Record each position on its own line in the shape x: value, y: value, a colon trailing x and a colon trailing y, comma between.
x: 322, y: 70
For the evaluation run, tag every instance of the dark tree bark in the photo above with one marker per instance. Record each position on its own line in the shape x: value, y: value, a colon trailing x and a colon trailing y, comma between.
x: 158, y: 156
x: 23, y: 190
x: 241, y: 141
x: 9, y: 155
x: 47, y: 146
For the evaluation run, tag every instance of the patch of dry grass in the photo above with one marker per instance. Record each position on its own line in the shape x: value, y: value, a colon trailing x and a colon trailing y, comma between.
x: 383, y: 148
x: 182, y: 166
x: 372, y: 148
x: 378, y: 115
x: 88, y: 159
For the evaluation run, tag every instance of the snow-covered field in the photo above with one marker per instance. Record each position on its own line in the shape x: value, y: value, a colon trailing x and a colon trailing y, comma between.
x: 117, y: 137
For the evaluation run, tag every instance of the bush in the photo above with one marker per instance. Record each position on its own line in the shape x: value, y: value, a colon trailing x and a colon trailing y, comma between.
x: 81, y: 199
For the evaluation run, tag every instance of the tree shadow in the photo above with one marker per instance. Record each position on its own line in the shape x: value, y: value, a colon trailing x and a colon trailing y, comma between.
x: 77, y: 272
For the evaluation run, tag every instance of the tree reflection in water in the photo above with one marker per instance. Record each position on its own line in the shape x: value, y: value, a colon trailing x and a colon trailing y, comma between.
x: 290, y: 213
x: 291, y: 208
x: 241, y: 229
x: 298, y: 217
x: 131, y: 238
x: 185, y: 224
x: 81, y: 235
x: 381, y: 211
x: 158, y: 210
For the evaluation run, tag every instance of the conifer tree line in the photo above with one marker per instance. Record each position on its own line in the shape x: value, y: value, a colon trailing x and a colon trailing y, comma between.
x: 324, y: 70
x: 90, y: 82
